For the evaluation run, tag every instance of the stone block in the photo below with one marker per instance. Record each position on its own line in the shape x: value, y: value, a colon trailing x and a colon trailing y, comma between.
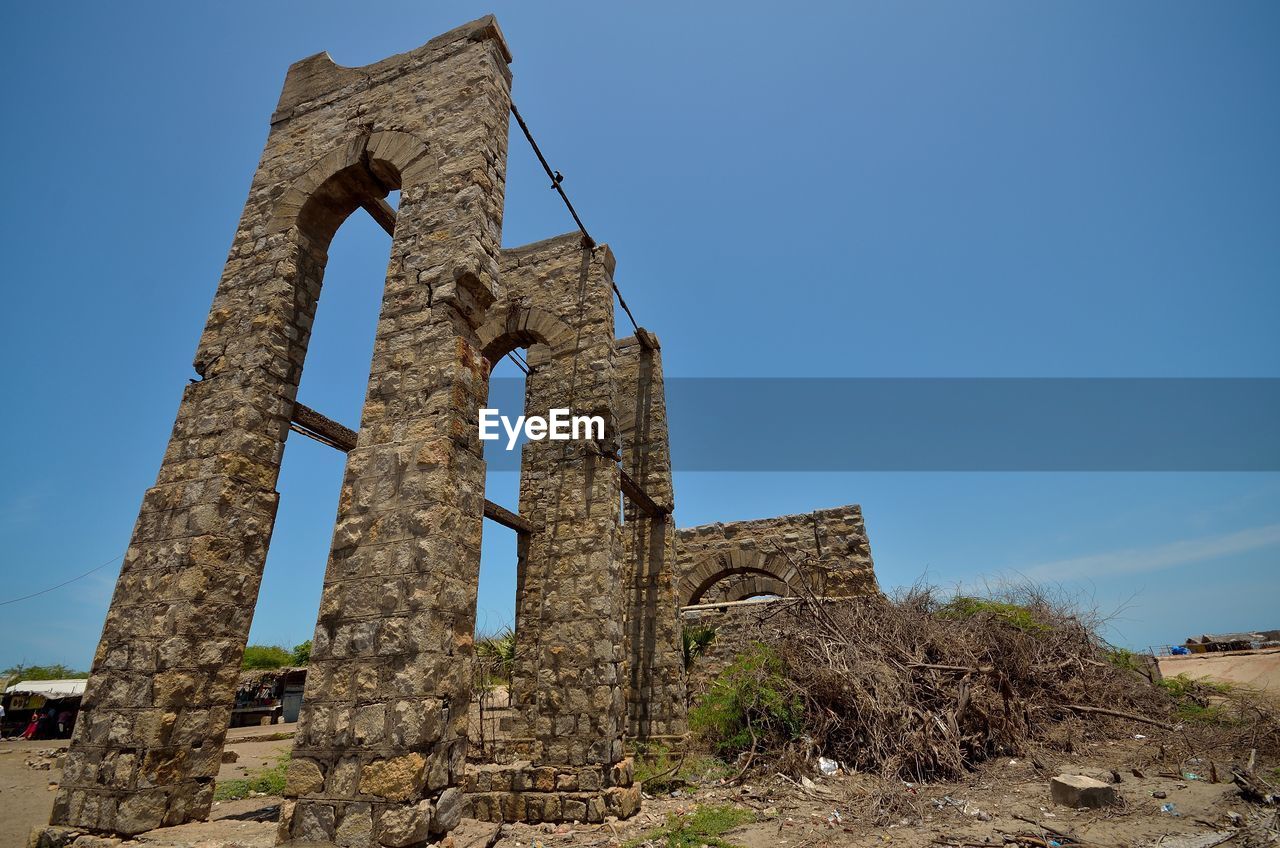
x: 448, y: 811
x: 303, y: 777
x: 1077, y: 790
x: 590, y: 779
x: 622, y: 802
x: 140, y: 811
x: 395, y: 779
x: 574, y: 809
x: 314, y: 822
x: 544, y: 779
x: 355, y: 830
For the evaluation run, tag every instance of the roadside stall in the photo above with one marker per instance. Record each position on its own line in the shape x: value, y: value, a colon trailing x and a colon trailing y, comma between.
x: 42, y: 709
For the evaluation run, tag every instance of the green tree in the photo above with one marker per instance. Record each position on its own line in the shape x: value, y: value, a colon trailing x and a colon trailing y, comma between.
x: 42, y: 672
x: 266, y: 656
x: 302, y: 653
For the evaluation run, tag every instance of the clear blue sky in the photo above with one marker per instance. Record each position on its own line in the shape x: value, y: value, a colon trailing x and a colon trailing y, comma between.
x: 839, y: 189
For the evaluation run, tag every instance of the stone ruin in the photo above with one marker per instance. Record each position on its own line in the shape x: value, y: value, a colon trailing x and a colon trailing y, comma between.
x: 379, y: 755
x: 824, y: 552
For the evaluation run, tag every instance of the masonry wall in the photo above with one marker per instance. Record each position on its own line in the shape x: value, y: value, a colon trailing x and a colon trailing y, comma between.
x: 655, y: 666
x: 827, y: 550
x: 567, y: 683
x: 380, y: 740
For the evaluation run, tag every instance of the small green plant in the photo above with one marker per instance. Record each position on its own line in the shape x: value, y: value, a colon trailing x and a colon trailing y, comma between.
x: 267, y: 781
x: 750, y: 702
x: 694, y: 642
x: 1123, y: 658
x: 703, y: 826
x: 964, y: 607
x: 498, y: 654
x: 1192, y: 699
x: 1181, y: 687
x: 659, y: 770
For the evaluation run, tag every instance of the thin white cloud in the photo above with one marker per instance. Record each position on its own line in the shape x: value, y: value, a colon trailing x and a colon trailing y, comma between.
x: 1157, y: 557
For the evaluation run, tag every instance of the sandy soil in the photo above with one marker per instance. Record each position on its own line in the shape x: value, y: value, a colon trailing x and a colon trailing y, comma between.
x: 1257, y: 669
x: 26, y: 794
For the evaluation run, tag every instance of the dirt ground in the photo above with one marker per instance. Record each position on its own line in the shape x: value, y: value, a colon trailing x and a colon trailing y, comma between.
x: 1007, y: 797
x: 26, y: 793
x: 1256, y: 669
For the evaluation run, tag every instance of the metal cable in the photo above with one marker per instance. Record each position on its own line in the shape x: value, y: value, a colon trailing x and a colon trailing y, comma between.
x: 556, y: 179
x: 523, y: 366
x: 63, y: 583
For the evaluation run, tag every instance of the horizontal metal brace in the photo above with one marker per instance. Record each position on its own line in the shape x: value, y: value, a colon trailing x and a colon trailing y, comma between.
x: 307, y: 422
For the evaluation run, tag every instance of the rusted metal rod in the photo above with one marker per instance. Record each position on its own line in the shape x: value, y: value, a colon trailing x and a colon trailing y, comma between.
x: 554, y: 176
x: 381, y: 212
x: 506, y: 517
x: 640, y: 497
x: 311, y: 423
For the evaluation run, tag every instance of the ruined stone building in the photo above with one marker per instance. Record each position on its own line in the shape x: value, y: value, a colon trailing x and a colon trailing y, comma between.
x: 379, y: 756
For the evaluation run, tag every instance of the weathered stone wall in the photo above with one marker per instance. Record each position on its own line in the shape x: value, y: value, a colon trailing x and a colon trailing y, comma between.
x: 529, y: 793
x: 567, y: 682
x: 655, y: 681
x: 381, y: 737
x: 737, y: 628
x: 827, y: 550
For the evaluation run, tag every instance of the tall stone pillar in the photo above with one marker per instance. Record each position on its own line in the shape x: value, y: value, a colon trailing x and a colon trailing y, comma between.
x: 566, y: 760
x: 382, y: 732
x: 656, y: 702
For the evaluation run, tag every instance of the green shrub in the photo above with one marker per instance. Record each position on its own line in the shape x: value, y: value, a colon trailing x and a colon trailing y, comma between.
x: 1181, y: 687
x: 656, y: 768
x: 964, y: 607
x: 1122, y: 658
x: 266, y: 656
x: 268, y: 781
x: 1192, y: 700
x: 701, y: 827
x: 498, y: 653
x: 302, y: 653
x: 749, y: 698
x: 694, y: 642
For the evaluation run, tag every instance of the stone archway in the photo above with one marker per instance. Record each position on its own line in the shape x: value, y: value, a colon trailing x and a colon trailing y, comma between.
x: 736, y: 561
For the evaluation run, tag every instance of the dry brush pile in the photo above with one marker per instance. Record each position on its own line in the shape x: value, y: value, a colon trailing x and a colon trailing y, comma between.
x: 922, y: 688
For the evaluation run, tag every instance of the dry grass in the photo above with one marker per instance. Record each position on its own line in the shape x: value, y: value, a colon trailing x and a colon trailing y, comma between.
x: 922, y: 687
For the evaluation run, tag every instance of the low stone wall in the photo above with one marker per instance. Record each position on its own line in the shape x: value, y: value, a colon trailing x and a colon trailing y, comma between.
x: 527, y: 793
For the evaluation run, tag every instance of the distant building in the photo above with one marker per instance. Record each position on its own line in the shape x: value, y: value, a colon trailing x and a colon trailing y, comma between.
x: 268, y: 696
x: 53, y: 703
x: 1214, y: 642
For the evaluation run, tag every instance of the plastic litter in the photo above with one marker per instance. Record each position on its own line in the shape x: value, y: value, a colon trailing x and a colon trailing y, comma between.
x: 1171, y: 809
x: 1190, y: 775
x: 828, y: 767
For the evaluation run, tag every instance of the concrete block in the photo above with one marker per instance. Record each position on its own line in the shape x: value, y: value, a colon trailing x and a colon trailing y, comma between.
x: 1077, y: 790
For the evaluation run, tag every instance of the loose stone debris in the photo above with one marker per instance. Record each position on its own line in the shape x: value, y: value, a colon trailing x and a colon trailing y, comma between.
x: 1078, y: 790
